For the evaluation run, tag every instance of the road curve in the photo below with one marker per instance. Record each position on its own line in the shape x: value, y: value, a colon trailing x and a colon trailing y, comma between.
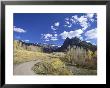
x: 24, y: 68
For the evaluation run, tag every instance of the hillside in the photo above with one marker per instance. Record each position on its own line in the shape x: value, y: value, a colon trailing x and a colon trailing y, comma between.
x: 74, y: 57
x: 39, y: 47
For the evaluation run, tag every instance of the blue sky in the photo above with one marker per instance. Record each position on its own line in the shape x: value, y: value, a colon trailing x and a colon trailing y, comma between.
x: 54, y: 28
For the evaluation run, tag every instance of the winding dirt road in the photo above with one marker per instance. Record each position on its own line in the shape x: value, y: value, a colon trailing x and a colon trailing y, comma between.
x: 24, y: 68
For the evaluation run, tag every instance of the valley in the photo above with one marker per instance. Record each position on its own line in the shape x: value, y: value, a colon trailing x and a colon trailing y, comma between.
x: 74, y: 57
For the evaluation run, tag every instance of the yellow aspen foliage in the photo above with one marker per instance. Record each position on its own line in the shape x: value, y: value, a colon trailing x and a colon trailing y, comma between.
x: 90, y: 54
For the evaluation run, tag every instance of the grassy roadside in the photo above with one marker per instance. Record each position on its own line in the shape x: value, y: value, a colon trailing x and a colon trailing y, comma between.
x: 21, y: 56
x: 52, y: 63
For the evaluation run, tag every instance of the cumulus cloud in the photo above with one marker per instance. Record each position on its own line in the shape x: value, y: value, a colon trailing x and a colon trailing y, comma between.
x: 53, y: 28
x: 90, y: 15
x: 67, y: 22
x: 92, y: 20
x: 64, y: 35
x: 73, y: 20
x: 82, y: 21
x: 47, y: 40
x: 88, y: 41
x: 84, y: 25
x: 26, y: 40
x: 67, y: 18
x: 53, y: 38
x: 75, y: 17
x: 55, y: 34
x: 48, y: 37
x: 57, y: 24
x: 19, y: 30
x: 71, y: 34
x: 91, y: 34
x: 81, y: 38
x: 70, y: 25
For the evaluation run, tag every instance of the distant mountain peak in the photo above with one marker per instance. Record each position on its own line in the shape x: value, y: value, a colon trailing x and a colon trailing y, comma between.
x: 76, y: 42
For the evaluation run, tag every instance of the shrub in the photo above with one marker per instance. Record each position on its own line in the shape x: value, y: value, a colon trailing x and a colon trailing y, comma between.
x: 51, y: 67
x: 81, y: 57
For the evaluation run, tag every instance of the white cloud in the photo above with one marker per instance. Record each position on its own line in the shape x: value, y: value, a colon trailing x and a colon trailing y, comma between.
x: 84, y: 25
x: 83, y: 22
x: 19, y: 30
x: 88, y: 41
x: 53, y: 38
x: 75, y: 17
x: 91, y: 34
x: 67, y: 18
x: 82, y: 19
x: 71, y: 34
x: 67, y: 22
x: 70, y: 25
x: 92, y: 20
x: 73, y: 20
x: 65, y: 25
x: 81, y: 38
x: 57, y: 24
x: 55, y: 34
x: 90, y: 15
x: 26, y: 40
x: 53, y: 28
x: 47, y: 40
x: 64, y: 35
x: 48, y: 37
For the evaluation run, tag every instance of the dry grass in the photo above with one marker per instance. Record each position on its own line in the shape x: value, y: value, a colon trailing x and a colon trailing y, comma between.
x: 53, y: 66
x: 50, y: 64
x: 24, y: 55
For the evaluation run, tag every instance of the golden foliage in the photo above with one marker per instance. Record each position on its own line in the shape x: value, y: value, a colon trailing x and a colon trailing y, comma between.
x: 81, y: 57
x: 24, y: 55
x: 53, y: 66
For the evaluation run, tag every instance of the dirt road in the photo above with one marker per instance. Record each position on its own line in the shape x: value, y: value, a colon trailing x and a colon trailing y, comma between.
x: 24, y: 68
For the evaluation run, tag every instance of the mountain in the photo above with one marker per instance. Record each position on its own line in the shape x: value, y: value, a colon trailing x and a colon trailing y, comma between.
x: 48, y: 48
x: 78, y: 43
x: 18, y: 44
